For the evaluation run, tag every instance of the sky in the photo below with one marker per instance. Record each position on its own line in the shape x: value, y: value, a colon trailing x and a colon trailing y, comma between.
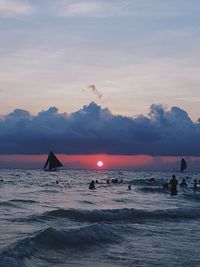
x: 96, y: 64
x: 94, y: 133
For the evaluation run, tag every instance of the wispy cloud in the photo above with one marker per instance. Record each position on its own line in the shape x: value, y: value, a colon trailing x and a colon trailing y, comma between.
x: 102, y: 8
x: 95, y: 90
x: 82, y: 9
x: 13, y: 8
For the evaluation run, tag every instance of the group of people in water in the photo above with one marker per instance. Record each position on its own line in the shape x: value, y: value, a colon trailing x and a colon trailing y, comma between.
x: 113, y: 181
x: 172, y: 184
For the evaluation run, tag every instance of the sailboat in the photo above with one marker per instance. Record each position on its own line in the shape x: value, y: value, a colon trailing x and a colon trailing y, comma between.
x: 52, y: 163
x: 183, y: 165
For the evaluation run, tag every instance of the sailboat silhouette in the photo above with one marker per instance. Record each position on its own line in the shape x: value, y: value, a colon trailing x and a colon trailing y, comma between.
x: 183, y: 165
x: 52, y: 163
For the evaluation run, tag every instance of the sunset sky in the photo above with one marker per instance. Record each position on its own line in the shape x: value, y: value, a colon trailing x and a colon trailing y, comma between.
x: 109, y: 77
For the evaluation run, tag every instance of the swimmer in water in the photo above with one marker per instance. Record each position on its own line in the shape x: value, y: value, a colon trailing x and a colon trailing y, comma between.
x: 92, y: 186
x: 173, y: 182
x: 183, y: 183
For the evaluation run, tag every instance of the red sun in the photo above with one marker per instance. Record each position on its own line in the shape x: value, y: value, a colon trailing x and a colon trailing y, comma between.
x: 100, y: 163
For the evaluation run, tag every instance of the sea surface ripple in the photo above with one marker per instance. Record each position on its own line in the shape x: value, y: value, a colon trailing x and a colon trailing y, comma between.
x: 44, y: 223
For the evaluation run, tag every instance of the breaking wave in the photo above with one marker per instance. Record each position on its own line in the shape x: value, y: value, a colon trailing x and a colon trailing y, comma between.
x: 120, y: 214
x: 92, y: 234
x: 51, y: 238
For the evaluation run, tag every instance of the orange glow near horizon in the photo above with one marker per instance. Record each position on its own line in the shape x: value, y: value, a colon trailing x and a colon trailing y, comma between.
x: 112, y: 161
x: 81, y: 161
x: 93, y: 161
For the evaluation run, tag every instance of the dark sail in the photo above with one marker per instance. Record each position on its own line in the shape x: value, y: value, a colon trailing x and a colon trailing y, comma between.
x: 47, y: 162
x: 183, y: 165
x: 52, y: 162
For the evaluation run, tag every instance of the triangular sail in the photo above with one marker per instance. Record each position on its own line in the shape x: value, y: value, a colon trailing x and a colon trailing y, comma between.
x: 52, y: 162
x: 47, y: 162
x: 183, y: 165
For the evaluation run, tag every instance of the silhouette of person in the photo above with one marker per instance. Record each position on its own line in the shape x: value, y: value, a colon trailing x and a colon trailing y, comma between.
x: 92, y: 186
x: 129, y: 187
x: 183, y: 183
x: 173, y: 183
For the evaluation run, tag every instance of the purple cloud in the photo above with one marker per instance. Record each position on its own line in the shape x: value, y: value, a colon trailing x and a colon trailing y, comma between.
x: 93, y: 129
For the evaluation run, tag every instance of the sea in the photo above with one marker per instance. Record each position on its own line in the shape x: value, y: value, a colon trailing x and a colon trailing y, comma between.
x: 57, y: 224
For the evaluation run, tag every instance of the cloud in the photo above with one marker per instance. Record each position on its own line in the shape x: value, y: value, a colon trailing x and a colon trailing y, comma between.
x: 86, y: 8
x: 13, y: 8
x: 95, y: 91
x: 93, y: 129
x: 115, y: 8
x: 82, y: 8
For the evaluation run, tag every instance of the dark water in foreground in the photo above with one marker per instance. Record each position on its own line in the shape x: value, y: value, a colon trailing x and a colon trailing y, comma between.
x: 48, y: 224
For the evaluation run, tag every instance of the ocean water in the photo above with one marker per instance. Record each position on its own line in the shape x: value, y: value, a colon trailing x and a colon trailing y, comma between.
x: 66, y: 224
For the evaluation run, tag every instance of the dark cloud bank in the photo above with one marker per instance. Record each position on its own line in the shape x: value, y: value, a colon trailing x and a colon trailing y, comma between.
x: 93, y: 129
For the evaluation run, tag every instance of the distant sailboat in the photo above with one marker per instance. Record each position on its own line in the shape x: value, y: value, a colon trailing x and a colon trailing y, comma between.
x: 52, y: 163
x: 183, y: 165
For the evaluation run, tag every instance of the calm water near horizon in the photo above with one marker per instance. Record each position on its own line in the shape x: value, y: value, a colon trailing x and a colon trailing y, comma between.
x: 66, y: 224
